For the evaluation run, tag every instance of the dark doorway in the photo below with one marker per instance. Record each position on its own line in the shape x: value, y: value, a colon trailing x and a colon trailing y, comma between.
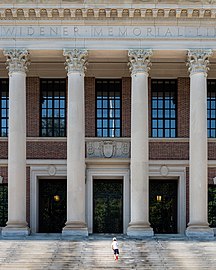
x: 108, y: 206
x: 163, y: 206
x: 52, y: 205
x: 212, y: 206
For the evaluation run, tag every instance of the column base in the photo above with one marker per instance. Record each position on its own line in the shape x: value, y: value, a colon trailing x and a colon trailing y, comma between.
x: 199, y: 232
x: 15, y: 230
x: 75, y: 229
x: 139, y: 230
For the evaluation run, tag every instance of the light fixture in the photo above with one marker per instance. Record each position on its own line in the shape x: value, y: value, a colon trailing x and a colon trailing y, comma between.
x: 159, y: 198
x: 56, y: 198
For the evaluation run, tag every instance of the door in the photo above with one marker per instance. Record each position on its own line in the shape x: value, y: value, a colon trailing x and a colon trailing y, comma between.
x: 107, y: 206
x: 52, y: 205
x: 163, y: 206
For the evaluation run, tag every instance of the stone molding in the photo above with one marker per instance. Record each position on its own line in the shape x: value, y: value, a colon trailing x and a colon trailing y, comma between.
x: 107, y: 149
x: 139, y: 60
x: 198, y: 60
x: 116, y: 12
x: 76, y: 60
x: 17, y: 60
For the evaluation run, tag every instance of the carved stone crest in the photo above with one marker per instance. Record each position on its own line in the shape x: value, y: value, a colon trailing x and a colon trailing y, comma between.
x: 108, y: 149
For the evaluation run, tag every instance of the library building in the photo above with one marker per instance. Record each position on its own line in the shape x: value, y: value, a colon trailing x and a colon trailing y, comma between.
x: 108, y: 117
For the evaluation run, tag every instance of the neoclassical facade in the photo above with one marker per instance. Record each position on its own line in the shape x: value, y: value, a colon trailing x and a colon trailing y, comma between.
x: 108, y: 117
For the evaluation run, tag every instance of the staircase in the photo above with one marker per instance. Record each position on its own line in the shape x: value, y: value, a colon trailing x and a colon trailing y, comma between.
x: 54, y: 252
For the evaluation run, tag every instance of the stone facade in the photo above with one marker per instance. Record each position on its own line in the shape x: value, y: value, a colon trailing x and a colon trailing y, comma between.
x: 93, y: 41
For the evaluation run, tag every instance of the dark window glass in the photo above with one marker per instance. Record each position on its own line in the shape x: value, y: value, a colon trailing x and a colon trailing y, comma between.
x: 164, y: 108
x: 108, y: 108
x: 4, y: 106
x: 53, y: 108
x: 3, y: 204
x: 211, y: 108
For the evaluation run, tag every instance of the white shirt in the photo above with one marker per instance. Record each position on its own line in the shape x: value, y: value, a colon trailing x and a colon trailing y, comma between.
x: 114, y: 245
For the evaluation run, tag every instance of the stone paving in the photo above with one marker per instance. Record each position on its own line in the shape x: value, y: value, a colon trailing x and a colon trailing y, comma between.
x: 55, y: 252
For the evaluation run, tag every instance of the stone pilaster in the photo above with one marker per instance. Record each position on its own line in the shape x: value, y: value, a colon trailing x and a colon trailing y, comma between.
x: 198, y: 60
x: 17, y: 61
x: 139, y: 62
x: 75, y: 65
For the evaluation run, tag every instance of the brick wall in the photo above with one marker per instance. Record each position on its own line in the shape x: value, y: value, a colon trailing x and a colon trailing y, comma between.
x: 89, y: 107
x: 32, y: 106
x: 3, y: 149
x: 183, y: 112
x: 46, y: 150
x: 169, y: 150
x: 211, y: 175
x: 126, y: 107
x: 4, y: 173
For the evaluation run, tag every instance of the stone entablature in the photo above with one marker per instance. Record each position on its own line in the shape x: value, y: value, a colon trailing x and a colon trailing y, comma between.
x: 82, y: 12
x: 107, y: 148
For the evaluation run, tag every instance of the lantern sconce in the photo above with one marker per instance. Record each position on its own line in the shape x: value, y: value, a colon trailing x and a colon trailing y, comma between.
x: 56, y: 198
x: 159, y: 198
x: 214, y: 180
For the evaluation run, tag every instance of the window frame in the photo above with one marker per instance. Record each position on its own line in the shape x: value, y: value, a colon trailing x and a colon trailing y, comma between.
x: 210, y: 111
x: 6, y: 108
x: 163, y: 123
x: 50, y: 107
x: 107, y: 121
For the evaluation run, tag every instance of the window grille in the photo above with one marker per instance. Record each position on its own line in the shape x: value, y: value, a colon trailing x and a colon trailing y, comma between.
x: 108, y: 108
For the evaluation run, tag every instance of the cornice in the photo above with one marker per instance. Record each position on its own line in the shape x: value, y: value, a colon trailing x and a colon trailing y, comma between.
x: 22, y: 13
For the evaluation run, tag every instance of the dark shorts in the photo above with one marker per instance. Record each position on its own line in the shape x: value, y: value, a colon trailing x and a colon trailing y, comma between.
x: 116, y: 251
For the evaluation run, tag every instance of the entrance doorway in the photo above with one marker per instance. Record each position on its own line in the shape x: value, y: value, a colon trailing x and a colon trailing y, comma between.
x: 107, y: 206
x: 163, y: 205
x: 52, y: 205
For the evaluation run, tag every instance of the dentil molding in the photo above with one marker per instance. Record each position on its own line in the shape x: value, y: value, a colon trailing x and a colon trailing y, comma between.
x: 83, y: 12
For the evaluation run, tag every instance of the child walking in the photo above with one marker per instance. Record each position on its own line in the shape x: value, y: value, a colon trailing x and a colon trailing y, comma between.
x: 115, y: 248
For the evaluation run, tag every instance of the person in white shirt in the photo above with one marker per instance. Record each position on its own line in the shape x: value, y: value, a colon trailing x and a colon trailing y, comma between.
x: 115, y: 248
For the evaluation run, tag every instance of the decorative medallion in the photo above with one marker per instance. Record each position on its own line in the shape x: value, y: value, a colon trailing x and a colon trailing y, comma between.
x: 52, y: 170
x: 164, y: 170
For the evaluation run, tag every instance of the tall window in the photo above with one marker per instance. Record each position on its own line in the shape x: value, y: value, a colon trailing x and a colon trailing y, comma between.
x: 4, y: 105
x: 53, y: 108
x: 211, y: 108
x: 164, y: 111
x: 108, y: 108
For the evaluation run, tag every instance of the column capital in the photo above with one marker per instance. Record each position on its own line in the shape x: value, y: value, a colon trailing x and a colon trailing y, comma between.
x: 76, y: 60
x: 139, y: 60
x: 198, y: 60
x: 17, y: 60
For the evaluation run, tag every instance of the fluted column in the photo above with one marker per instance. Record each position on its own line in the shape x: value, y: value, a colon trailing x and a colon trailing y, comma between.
x: 198, y: 206
x: 75, y: 65
x: 17, y: 61
x: 139, y: 61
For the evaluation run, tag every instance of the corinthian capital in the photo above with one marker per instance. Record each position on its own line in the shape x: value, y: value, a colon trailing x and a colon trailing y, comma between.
x: 139, y: 60
x: 198, y: 60
x: 17, y: 60
x: 76, y: 60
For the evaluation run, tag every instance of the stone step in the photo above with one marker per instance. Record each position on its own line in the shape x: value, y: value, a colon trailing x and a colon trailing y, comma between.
x: 96, y: 254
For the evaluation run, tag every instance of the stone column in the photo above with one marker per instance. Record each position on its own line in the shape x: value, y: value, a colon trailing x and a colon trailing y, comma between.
x: 17, y: 61
x: 198, y: 205
x: 139, y: 61
x: 75, y: 65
